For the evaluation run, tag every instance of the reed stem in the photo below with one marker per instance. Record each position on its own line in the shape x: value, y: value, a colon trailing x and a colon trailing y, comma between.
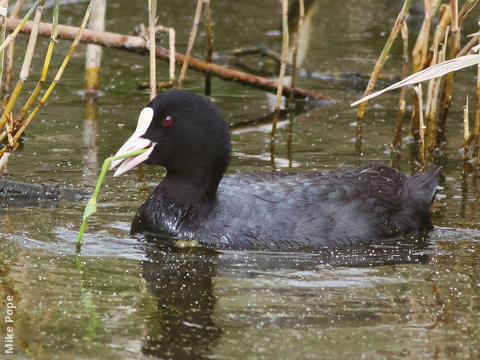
x: 421, y: 127
x: 301, y: 17
x: 46, y: 65
x: 466, y: 133
x: 447, y: 89
x: 55, y: 80
x: 3, y: 19
x: 152, y: 13
x: 12, y: 36
x: 283, y: 66
x: 191, y: 41
x: 402, y: 104
x: 208, y: 20
x: 376, y: 70
x: 10, y: 54
x: 24, y: 72
x: 93, y: 56
x: 171, y: 55
x: 476, y: 129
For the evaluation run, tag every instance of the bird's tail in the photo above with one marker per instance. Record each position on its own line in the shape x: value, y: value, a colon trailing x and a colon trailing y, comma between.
x: 417, y: 196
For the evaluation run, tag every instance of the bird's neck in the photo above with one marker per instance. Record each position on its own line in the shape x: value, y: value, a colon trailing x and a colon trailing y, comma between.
x: 192, y: 190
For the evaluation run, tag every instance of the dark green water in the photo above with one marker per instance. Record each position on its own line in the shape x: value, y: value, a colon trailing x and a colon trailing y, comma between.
x: 124, y: 299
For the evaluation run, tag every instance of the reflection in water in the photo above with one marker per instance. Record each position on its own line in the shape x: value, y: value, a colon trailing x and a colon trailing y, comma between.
x: 182, y: 327
x: 90, y: 138
x: 241, y: 304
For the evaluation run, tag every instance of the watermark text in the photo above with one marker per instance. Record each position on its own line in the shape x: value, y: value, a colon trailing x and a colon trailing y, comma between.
x: 9, y: 315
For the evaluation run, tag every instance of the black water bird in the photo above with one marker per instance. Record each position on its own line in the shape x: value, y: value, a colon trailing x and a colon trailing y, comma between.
x: 186, y: 134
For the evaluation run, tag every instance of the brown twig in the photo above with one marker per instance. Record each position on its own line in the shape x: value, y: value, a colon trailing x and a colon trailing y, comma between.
x: 137, y: 44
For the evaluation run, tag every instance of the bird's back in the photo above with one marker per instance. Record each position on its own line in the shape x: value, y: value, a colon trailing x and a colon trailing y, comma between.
x: 362, y: 205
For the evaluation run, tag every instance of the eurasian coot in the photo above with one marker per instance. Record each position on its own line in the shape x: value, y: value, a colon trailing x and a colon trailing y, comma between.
x: 186, y: 134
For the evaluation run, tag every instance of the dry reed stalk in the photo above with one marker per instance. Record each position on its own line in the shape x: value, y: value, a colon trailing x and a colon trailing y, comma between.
x: 46, y: 65
x: 32, y: 41
x: 428, y: 21
x: 432, y: 72
x: 476, y: 129
x: 57, y: 78
x: 440, y: 32
x: 152, y: 13
x: 12, y: 36
x: 137, y: 45
x: 191, y: 41
x: 419, y: 61
x: 466, y: 133
x: 93, y: 55
x: 444, y: 18
x: 432, y: 96
x: 208, y: 20
x: 431, y: 104
x: 402, y: 104
x: 25, y: 70
x: 376, y: 70
x: 301, y: 8
x: 9, y: 129
x: 420, y: 49
x: 10, y: 56
x: 283, y: 66
x: 472, y: 43
x: 421, y: 128
x: 3, y: 17
x: 466, y: 9
x: 171, y: 57
x: 447, y: 89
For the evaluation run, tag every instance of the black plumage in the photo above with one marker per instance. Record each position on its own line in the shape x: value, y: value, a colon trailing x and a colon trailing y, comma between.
x: 362, y: 205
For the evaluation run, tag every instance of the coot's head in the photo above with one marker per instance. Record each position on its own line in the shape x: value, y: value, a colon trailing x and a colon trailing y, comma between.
x: 183, y: 132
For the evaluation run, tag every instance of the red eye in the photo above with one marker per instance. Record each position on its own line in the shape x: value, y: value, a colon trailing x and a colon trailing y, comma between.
x: 167, y: 121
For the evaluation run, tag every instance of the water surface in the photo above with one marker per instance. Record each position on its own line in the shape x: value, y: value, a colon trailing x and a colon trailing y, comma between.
x: 126, y: 299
